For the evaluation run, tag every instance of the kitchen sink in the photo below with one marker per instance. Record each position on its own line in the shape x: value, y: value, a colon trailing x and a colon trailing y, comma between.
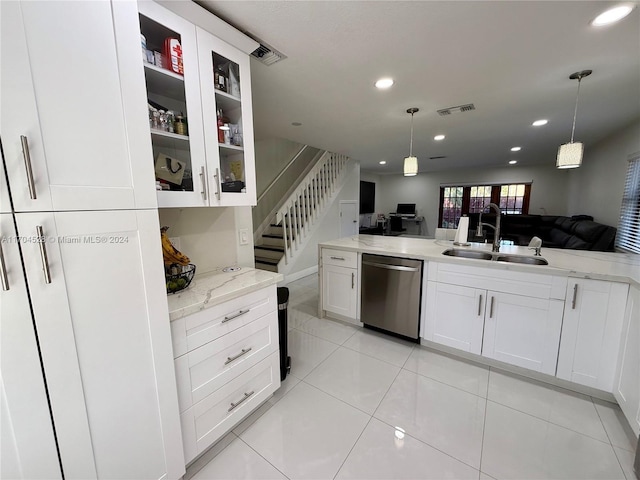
x: 522, y: 259
x: 479, y: 255
x: 453, y: 252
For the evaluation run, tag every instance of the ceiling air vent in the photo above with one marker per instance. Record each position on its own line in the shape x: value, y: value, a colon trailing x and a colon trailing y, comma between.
x: 460, y: 108
x: 267, y: 55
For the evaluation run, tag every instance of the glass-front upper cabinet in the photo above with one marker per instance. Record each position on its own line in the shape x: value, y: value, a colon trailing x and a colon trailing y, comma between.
x: 225, y: 84
x: 170, y: 59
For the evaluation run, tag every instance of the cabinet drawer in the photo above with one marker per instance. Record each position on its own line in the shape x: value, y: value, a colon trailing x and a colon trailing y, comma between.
x: 207, y: 421
x: 202, y: 371
x: 193, y: 331
x: 339, y: 258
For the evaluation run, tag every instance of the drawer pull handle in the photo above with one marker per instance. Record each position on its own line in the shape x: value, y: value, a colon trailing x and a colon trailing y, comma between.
x: 217, y: 178
x: 337, y: 258
x: 27, y: 165
x: 203, y: 180
x: 575, y: 297
x: 353, y: 280
x: 239, y: 402
x: 3, y: 271
x: 241, y: 312
x: 491, y: 311
x: 43, y: 254
x: 243, y: 352
x: 479, y: 305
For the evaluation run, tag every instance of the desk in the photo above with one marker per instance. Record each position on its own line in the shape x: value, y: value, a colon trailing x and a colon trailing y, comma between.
x: 418, y: 222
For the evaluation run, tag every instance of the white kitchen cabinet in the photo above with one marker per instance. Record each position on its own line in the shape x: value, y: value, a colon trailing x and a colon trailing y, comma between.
x: 230, y: 163
x: 26, y: 431
x: 69, y: 135
x: 339, y: 277
x: 522, y: 331
x: 99, y: 305
x: 593, y: 316
x: 5, y: 202
x: 455, y: 316
x: 197, y: 169
x: 627, y: 381
x: 517, y: 320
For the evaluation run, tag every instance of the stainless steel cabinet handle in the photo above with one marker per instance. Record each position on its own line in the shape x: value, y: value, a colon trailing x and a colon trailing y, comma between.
x: 27, y: 165
x: 336, y: 258
x: 246, y: 396
x: 575, y: 297
x: 43, y: 254
x: 231, y: 317
x: 491, y: 309
x: 3, y: 271
x: 203, y: 179
x: 217, y: 178
x: 353, y: 280
x: 244, y: 351
x: 391, y: 267
x: 479, y: 305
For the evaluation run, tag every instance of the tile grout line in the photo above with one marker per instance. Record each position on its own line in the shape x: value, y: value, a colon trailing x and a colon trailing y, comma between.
x: 610, y: 442
x: 260, y: 455
x: 484, y: 423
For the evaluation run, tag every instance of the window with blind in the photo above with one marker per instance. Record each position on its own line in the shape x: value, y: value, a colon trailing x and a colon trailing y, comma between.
x: 628, y: 238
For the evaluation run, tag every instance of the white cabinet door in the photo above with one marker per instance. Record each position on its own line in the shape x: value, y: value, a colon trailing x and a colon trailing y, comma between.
x: 627, y: 386
x: 5, y: 203
x: 339, y: 294
x: 230, y: 162
x: 26, y: 432
x: 455, y: 316
x: 65, y: 105
x: 593, y: 316
x: 104, y: 331
x: 178, y: 157
x: 523, y: 331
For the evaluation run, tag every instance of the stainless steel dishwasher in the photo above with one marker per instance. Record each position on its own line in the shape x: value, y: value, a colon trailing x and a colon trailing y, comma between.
x: 390, y: 297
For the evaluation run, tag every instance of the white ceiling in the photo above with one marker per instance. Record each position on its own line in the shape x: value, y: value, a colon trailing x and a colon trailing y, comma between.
x: 512, y: 59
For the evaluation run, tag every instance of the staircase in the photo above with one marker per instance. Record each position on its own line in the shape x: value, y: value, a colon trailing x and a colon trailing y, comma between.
x: 292, y: 222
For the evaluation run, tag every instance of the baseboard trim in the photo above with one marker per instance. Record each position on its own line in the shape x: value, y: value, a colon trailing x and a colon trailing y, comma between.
x: 292, y: 277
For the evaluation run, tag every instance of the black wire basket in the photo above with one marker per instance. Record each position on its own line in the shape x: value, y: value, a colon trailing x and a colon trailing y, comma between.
x: 181, y: 279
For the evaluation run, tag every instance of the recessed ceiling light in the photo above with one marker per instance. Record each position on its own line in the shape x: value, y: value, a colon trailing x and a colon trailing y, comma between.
x: 296, y: 124
x: 382, y: 162
x: 539, y: 123
x: 513, y: 162
x: 612, y: 15
x: 439, y: 137
x: 384, y: 83
x: 516, y: 149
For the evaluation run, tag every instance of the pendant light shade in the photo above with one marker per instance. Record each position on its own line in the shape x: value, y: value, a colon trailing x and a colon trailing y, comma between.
x: 410, y: 166
x: 411, y: 162
x: 570, y: 154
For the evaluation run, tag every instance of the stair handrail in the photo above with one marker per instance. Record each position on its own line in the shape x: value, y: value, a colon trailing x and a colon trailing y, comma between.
x: 291, y: 162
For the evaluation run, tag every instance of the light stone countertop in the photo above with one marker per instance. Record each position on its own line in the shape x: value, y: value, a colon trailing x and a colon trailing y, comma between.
x: 615, y: 267
x: 213, y: 288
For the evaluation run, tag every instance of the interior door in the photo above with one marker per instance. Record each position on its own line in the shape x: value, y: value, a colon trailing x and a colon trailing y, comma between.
x: 28, y: 447
x: 348, y: 218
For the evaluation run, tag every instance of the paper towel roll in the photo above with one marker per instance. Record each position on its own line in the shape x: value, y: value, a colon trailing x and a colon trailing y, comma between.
x: 462, y: 231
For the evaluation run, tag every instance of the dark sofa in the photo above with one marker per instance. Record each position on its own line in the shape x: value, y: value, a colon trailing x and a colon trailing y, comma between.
x: 579, y: 232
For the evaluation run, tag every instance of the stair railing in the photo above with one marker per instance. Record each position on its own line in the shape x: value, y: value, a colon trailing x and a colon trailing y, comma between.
x: 304, y: 206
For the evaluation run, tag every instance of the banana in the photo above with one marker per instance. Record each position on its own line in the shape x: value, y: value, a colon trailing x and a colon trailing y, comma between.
x: 170, y: 253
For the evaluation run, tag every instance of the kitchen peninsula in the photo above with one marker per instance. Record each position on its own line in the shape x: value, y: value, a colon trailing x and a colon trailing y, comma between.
x: 574, y: 322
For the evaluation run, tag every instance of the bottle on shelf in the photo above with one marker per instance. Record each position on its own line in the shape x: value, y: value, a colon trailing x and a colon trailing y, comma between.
x: 221, y: 77
x: 221, y: 130
x: 179, y: 126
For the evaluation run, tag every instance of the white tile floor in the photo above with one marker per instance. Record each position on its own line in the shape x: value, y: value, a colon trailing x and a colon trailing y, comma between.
x: 360, y: 405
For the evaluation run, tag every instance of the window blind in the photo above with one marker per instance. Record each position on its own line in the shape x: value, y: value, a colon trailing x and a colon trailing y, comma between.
x: 628, y: 238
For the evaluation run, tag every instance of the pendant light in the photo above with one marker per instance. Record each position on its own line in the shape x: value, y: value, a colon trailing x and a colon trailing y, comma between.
x: 570, y: 154
x: 411, y: 162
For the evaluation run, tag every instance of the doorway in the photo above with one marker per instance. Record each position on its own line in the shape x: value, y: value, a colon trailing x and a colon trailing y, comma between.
x: 348, y: 218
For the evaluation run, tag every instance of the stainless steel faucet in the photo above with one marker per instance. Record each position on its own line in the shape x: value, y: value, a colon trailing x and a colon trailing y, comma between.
x: 496, y: 234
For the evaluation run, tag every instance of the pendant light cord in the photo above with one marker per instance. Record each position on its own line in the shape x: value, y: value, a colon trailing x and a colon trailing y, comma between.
x: 411, y: 142
x: 575, y: 112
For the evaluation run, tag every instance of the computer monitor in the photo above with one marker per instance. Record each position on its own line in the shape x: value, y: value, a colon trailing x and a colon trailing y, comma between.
x: 406, y: 209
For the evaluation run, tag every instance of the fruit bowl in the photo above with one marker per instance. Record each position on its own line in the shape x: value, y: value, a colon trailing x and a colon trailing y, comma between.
x: 179, y: 277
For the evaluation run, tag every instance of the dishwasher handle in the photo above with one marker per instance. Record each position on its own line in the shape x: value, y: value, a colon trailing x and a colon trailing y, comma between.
x: 399, y: 268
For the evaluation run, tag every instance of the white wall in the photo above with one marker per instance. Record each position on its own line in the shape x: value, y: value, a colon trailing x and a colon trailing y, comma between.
x: 548, y: 189
x: 272, y: 155
x: 209, y: 235
x: 596, y: 187
x: 329, y: 226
